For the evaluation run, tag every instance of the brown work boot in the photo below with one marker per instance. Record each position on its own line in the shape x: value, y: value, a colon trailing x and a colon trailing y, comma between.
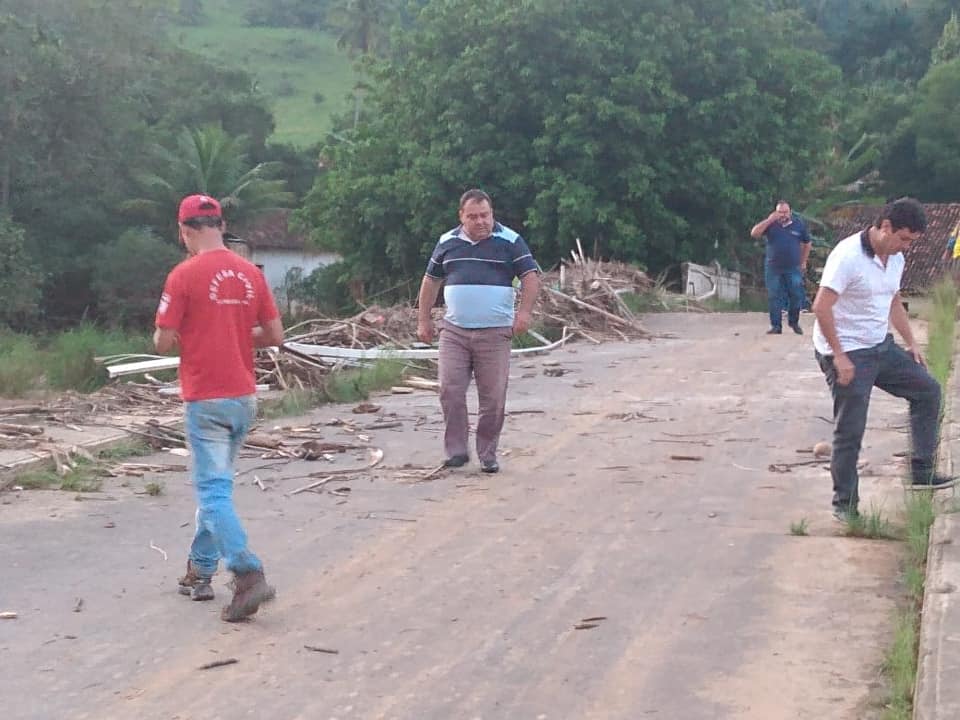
x: 250, y: 591
x: 195, y: 585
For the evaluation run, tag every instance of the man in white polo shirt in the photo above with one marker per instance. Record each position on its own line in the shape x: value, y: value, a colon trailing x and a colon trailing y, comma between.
x: 859, y: 298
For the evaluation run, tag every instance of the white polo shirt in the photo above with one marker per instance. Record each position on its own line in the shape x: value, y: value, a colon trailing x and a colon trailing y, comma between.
x: 865, y: 288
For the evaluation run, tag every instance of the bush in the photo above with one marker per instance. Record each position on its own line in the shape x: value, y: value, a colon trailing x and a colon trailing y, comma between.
x: 18, y: 364
x: 324, y: 290
x: 128, y: 276
x: 19, y: 277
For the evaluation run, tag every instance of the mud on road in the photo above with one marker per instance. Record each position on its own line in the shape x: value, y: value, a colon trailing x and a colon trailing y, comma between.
x: 460, y: 597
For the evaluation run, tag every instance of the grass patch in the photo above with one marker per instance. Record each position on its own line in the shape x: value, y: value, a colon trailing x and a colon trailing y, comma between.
x: 871, y: 525
x: 940, y: 330
x: 901, y: 668
x: 344, y: 386
x: 799, y: 528
x: 354, y: 385
x: 61, y: 361
x: 303, y: 74
x: 293, y: 402
x: 154, y: 488
x: 86, y: 475
x: 125, y: 449
x: 18, y: 364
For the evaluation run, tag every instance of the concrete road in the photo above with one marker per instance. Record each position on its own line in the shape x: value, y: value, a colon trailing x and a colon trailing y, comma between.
x: 459, y: 597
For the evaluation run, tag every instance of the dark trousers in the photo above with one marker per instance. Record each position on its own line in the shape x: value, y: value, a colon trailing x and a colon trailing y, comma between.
x: 784, y: 285
x: 890, y: 368
x: 484, y: 354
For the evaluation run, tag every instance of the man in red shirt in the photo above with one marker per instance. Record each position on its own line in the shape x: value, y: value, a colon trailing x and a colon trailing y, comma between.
x: 216, y: 307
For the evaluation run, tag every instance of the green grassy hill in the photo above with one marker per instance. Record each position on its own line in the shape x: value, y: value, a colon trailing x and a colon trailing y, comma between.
x: 302, y: 71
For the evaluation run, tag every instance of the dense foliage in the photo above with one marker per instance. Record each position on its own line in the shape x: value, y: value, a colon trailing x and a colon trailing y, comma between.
x: 653, y: 130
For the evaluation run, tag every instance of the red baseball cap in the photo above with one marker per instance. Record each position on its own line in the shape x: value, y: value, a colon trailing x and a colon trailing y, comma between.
x: 198, y: 206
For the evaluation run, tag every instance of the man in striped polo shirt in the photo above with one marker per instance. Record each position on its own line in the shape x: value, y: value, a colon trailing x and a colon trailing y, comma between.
x: 476, y: 264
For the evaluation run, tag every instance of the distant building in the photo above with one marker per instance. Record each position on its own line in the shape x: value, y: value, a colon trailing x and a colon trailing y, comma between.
x: 269, y: 243
x: 924, y: 260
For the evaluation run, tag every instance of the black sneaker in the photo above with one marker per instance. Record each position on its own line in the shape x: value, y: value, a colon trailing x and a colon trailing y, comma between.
x: 490, y: 466
x: 797, y: 329
x: 456, y: 461
x: 934, y: 482
x: 775, y: 331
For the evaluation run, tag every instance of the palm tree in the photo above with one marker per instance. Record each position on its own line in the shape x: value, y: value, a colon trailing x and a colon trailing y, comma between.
x: 363, y: 29
x: 208, y: 160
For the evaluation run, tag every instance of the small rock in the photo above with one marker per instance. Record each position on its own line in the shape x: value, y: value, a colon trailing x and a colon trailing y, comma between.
x: 822, y: 449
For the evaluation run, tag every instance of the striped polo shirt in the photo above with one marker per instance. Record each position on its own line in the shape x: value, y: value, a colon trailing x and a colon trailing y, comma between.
x: 478, y: 289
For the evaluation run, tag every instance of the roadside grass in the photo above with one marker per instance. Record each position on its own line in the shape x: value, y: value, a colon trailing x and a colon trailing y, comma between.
x: 87, y: 475
x: 799, y: 528
x: 871, y: 525
x: 305, y: 76
x: 901, y: 661
x: 154, y: 488
x: 900, y: 667
x: 354, y: 385
x: 61, y: 361
x: 342, y: 386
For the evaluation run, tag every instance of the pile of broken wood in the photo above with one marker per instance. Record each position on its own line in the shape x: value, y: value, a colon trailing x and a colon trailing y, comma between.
x: 585, y: 296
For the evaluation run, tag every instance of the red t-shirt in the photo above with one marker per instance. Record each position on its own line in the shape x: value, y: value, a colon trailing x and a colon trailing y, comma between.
x: 213, y: 300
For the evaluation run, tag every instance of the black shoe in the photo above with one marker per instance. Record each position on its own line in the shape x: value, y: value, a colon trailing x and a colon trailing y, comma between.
x: 935, y: 482
x: 456, y: 461
x: 797, y: 329
x: 490, y: 466
x: 775, y: 331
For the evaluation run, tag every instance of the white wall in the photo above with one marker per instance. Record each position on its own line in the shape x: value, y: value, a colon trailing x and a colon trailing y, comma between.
x: 276, y: 263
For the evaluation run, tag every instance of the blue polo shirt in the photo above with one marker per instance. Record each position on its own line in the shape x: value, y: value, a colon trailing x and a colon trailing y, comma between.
x: 783, y: 244
x: 478, y: 289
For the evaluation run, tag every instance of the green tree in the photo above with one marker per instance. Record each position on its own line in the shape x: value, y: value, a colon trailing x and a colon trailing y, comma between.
x: 948, y: 46
x: 654, y: 131
x: 936, y: 125
x: 208, y: 160
x: 363, y: 30
x: 128, y: 275
x: 19, y: 278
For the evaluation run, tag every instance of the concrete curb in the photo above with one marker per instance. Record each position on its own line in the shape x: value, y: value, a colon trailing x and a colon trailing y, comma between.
x: 936, y: 693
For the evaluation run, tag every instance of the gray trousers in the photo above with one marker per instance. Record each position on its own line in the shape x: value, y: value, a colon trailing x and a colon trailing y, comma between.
x: 484, y: 354
x: 890, y: 368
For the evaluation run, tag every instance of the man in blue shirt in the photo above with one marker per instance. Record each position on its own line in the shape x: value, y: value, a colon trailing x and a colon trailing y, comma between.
x: 476, y: 263
x: 788, y: 247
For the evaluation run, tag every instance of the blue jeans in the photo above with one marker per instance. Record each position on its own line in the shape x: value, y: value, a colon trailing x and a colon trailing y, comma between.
x: 215, y: 431
x: 784, y: 285
x: 890, y: 368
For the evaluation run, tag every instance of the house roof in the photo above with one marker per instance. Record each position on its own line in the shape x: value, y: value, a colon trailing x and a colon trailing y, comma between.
x: 271, y: 231
x: 923, y: 259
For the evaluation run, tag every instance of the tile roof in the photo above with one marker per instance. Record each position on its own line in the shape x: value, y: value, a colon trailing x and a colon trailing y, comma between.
x: 271, y: 231
x: 923, y: 264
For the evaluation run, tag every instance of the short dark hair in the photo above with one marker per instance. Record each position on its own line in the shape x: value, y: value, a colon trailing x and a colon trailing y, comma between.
x: 904, y: 212
x: 476, y: 196
x: 203, y: 221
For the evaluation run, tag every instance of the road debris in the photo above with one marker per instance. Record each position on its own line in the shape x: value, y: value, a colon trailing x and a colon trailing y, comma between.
x: 8, y: 615
x: 688, y: 458
x: 218, y: 663
x: 158, y: 549
x: 328, y: 651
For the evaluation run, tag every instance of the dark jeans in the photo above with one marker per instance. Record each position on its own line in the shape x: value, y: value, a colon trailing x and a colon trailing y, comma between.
x: 784, y: 284
x: 890, y: 368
